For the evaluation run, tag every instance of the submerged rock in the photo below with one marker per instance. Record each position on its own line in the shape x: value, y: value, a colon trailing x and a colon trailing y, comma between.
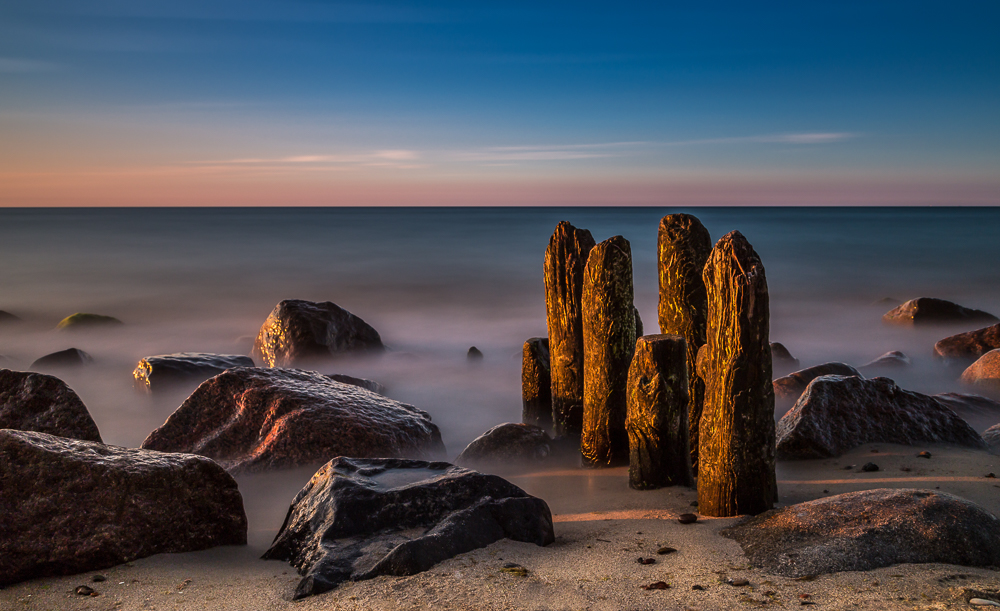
x: 968, y: 346
x: 927, y: 310
x: 6, y: 318
x: 82, y: 320
x: 984, y: 374
x: 371, y: 385
x: 790, y: 387
x: 154, y: 372
x: 782, y: 361
x: 357, y: 519
x: 254, y: 419
x: 888, y: 362
x: 71, y: 506
x: 837, y: 413
x: 506, y: 444
x: 70, y: 357
x: 861, y: 531
x: 43, y: 403
x: 474, y: 354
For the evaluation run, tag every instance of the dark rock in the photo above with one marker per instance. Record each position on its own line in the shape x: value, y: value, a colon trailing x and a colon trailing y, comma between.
x: 665, y: 550
x: 42, y: 403
x: 507, y: 444
x: 371, y: 385
x: 984, y: 374
x: 698, y: 588
x: 71, y: 357
x: 84, y: 591
x: 474, y: 354
x: 646, y: 560
x: 890, y: 361
x: 155, y: 372
x: 299, y: 332
x: 81, y: 320
x: 924, y: 454
x: 992, y: 438
x: 514, y: 569
x: 869, y: 467
x: 565, y: 259
x: 782, y: 361
x: 739, y: 582
x: 791, y: 386
x: 687, y: 518
x: 656, y: 585
x: 254, y: 419
x: 536, y: 383
x: 360, y: 518
x: 638, y: 321
x: 73, y: 506
x: 7, y: 318
x: 970, y: 407
x: 98, y: 578
x: 837, y: 413
x: 927, y: 310
x: 861, y: 531
x: 968, y: 346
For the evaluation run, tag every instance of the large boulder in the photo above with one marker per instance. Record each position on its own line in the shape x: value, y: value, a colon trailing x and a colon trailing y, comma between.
x: 970, y: 407
x: 357, y: 519
x: 837, y: 413
x: 82, y: 320
x: 927, y: 310
x: 255, y: 419
x: 790, y: 387
x: 984, y: 374
x: 299, y: 332
x: 992, y: 437
x: 43, y: 403
x: 968, y: 346
x: 861, y: 531
x: 155, y: 372
x: 70, y: 357
x: 511, y: 443
x: 71, y: 506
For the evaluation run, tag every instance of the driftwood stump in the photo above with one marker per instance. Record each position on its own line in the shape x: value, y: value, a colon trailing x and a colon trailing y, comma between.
x: 737, y: 442
x: 657, y: 414
x: 536, y: 384
x: 684, y: 245
x: 565, y: 260
x: 609, y: 341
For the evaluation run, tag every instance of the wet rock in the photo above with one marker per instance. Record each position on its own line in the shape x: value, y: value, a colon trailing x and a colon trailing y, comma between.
x: 861, y: 531
x: 71, y: 357
x: 970, y: 407
x: 782, y: 361
x: 82, y: 320
x: 790, y: 387
x: 984, y: 374
x: 371, y: 385
x: 360, y: 518
x: 536, y: 383
x: 155, y: 372
x: 255, y: 419
x: 43, y: 403
x: 968, y: 346
x: 927, y: 310
x: 474, y: 354
x: 888, y: 362
x: 299, y: 332
x: 508, y: 444
x: 73, y: 506
x: 687, y: 518
x: 837, y: 413
x: 869, y: 467
x: 992, y: 438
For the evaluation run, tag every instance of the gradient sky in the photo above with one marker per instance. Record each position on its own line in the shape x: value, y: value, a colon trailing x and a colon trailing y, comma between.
x: 308, y: 102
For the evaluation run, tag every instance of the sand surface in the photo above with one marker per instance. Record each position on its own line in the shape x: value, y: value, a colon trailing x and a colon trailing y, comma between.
x: 602, y: 527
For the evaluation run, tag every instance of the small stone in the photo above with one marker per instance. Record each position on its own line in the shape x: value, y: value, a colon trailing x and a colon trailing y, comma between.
x: 905, y: 469
x: 694, y: 503
x: 84, y: 590
x: 698, y: 587
x: 805, y: 596
x: 665, y: 550
x: 514, y: 569
x: 806, y: 602
x: 982, y: 602
x: 687, y: 518
x: 924, y: 454
x: 656, y: 585
x: 474, y: 354
x: 990, y: 475
x: 646, y: 560
x: 869, y: 467
x: 738, y: 582
x: 826, y: 492
x: 98, y: 578
x: 874, y: 451
x: 849, y: 467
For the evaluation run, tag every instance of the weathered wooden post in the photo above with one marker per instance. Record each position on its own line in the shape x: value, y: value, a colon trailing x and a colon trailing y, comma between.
x: 608, y: 344
x: 565, y: 260
x: 536, y: 383
x: 684, y: 245
x: 736, y: 443
x: 657, y: 414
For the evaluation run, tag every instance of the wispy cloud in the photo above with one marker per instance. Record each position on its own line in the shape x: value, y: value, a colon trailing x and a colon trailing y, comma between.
x: 555, y: 152
x: 396, y: 158
x: 10, y: 65
x: 794, y: 138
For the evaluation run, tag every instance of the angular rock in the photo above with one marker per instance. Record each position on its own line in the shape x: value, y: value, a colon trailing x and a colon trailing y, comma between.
x: 6, y: 318
x: 45, y: 404
x: 71, y: 357
x: 970, y: 407
x: 837, y: 413
x: 536, y: 383
x: 357, y: 519
x: 255, y: 419
x: 782, y: 361
x: 474, y: 354
x: 791, y: 386
x: 371, y: 385
x: 927, y: 310
x: 992, y: 438
x: 890, y: 361
x: 82, y: 320
x: 511, y: 443
x: 72, y: 506
x: 861, y: 531
x: 299, y: 332
x: 565, y: 259
x: 984, y: 374
x: 155, y: 372
x: 968, y: 346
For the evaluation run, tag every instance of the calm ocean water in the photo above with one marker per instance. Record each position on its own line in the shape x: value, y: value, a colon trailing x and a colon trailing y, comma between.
x: 434, y: 282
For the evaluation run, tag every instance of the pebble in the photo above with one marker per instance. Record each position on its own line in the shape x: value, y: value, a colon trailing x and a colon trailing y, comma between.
x: 646, y: 560
x: 694, y: 503
x: 98, y: 578
x: 687, y: 518
x: 665, y: 550
x: 738, y: 582
x: 85, y: 591
x: 698, y: 587
x: 656, y: 585
x: 982, y: 602
x: 990, y: 475
x: 514, y: 569
x: 849, y: 467
x: 924, y: 454
x: 868, y: 467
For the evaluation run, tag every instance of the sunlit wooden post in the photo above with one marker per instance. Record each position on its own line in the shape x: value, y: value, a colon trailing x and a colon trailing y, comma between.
x: 536, y: 383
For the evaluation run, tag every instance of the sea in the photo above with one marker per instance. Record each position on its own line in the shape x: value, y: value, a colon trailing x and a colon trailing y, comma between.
x: 435, y: 282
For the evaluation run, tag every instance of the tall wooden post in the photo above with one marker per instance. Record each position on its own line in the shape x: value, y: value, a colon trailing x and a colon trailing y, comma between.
x: 536, y: 384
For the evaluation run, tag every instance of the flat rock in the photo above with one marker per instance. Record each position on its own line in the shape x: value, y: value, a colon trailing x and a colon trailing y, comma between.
x: 790, y: 387
x: 82, y: 320
x: 299, y: 332
x: 927, y: 310
x: 164, y: 370
x: 71, y: 357
x: 992, y: 437
x: 45, y: 404
x: 968, y: 346
x: 837, y: 413
x: 255, y: 419
x: 72, y: 506
x: 505, y: 444
x: 782, y: 361
x: 984, y: 374
x: 861, y: 531
x: 360, y: 518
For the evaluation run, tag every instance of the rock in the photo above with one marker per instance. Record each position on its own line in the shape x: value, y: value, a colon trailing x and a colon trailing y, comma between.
x: 71, y: 357
x: 791, y: 386
x: 81, y: 320
x: 869, y: 467
x: 969, y: 406
x: 536, y: 383
x: 992, y: 438
x: 371, y: 385
x: 645, y: 561
x: 665, y: 550
x: 782, y: 361
x: 6, y: 318
x: 683, y: 246
x: 514, y: 569
x: 608, y: 345
x: 255, y: 419
x: 85, y: 591
x: 73, y: 506
x: 360, y: 518
x: 301, y: 332
x: 861, y: 531
x: 736, y: 433
x: 968, y: 346
x: 155, y: 372
x: 687, y: 518
x: 924, y: 454
x: 507, y: 444
x: 837, y: 413
x: 984, y: 374
x: 565, y: 259
x: 45, y: 404
x: 890, y: 361
x: 474, y: 354
x: 656, y: 585
x: 738, y: 583
x: 927, y: 310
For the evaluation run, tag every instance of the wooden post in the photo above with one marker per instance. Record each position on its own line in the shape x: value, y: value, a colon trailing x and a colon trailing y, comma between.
x: 657, y: 414
x: 536, y: 384
x: 737, y: 439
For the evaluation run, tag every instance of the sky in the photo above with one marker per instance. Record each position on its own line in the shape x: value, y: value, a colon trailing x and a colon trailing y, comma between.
x: 312, y: 102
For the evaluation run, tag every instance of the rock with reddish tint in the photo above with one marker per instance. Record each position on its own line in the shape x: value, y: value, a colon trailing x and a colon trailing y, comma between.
x: 155, y: 372
x: 357, y: 519
x: 837, y: 413
x: 984, y: 374
x: 255, y: 419
x: 968, y: 346
x: 507, y: 444
x: 861, y: 531
x: 72, y: 506
x: 992, y: 437
x: 43, y: 403
x: 888, y: 362
x: 299, y: 332
x: 790, y: 387
x: 71, y: 357
x: 927, y: 310
x: 782, y: 361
